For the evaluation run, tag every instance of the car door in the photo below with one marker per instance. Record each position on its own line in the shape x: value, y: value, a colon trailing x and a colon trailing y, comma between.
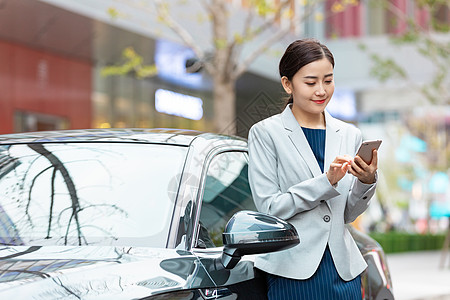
x: 224, y: 191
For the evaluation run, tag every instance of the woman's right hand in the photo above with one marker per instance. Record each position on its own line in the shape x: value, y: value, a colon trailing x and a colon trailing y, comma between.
x: 338, y: 168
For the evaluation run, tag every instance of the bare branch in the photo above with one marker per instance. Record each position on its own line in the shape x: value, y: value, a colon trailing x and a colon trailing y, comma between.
x: 230, y: 62
x: 249, y: 34
x: 270, y: 41
x: 57, y: 163
x: 248, y: 22
x: 52, y: 203
x: 249, y: 60
x: 267, y: 24
x: 391, y: 7
x: 209, y: 67
x: 30, y: 190
x: 168, y: 20
x: 178, y: 29
x: 207, y: 6
x: 427, y: 44
x: 423, y: 31
x: 246, y: 30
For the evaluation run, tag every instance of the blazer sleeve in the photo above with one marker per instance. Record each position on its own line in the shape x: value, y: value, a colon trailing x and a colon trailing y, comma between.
x: 264, y: 181
x: 359, y: 195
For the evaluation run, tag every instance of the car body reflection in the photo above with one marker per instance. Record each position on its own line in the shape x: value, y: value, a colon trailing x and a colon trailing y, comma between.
x: 138, y: 214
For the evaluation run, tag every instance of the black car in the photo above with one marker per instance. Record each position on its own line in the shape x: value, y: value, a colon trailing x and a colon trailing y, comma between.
x: 139, y: 214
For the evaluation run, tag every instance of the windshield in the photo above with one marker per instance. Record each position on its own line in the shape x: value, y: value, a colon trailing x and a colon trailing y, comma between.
x: 88, y: 193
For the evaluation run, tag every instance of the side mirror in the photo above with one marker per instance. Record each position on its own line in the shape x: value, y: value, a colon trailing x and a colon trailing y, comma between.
x: 249, y: 232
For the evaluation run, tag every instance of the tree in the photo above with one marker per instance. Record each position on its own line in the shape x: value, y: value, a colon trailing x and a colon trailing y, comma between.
x: 428, y: 40
x: 57, y: 165
x: 224, y: 60
x: 431, y: 40
x: 45, y: 190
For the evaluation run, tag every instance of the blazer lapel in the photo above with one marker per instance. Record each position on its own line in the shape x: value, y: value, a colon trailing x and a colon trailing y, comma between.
x: 297, y: 137
x: 333, y: 140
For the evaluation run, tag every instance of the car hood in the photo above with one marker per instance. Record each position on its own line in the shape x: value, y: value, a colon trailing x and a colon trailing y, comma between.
x: 96, y: 272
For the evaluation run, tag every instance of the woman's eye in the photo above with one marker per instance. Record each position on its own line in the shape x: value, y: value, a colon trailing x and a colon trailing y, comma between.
x: 328, y: 81
x: 310, y: 83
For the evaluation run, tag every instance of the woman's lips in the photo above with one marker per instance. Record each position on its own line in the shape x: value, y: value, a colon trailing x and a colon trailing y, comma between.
x: 319, y: 101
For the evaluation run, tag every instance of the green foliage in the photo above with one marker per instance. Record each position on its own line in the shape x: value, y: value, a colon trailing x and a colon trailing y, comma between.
x: 402, y: 242
x: 412, y: 35
x: 239, y: 38
x: 430, y: 3
x: 434, y: 6
x: 341, y: 5
x: 221, y: 43
x: 264, y: 7
x: 113, y: 13
x: 386, y: 68
x: 133, y: 63
x: 216, y: 236
x: 440, y: 27
x: 439, y: 55
x: 163, y: 9
x: 437, y: 52
x: 362, y: 47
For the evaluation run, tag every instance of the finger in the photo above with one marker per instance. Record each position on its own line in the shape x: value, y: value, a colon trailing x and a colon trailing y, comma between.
x: 346, y: 156
x: 335, y: 165
x: 374, y: 161
x: 360, y: 162
x: 343, y: 159
x: 352, y: 171
x: 357, y: 168
x: 345, y: 167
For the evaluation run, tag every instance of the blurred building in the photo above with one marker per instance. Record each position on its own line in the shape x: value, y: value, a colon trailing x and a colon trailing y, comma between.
x: 52, y: 53
x: 51, y: 57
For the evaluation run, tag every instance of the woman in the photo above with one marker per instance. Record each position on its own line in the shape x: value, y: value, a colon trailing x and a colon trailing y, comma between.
x: 302, y: 169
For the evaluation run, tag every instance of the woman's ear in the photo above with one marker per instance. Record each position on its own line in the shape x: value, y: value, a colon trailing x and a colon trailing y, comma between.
x: 286, y: 83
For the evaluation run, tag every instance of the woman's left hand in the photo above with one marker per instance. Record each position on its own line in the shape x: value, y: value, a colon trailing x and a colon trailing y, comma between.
x: 363, y: 171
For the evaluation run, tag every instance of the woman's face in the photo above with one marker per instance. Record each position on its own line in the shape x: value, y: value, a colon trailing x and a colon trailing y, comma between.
x: 311, y: 87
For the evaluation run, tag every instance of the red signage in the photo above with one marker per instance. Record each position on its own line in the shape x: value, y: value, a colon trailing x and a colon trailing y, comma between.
x: 40, y: 83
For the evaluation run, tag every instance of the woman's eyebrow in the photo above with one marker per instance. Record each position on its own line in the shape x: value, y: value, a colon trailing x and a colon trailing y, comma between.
x: 315, y: 77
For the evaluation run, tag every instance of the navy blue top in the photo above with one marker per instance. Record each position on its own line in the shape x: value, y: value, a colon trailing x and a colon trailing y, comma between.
x: 316, y: 140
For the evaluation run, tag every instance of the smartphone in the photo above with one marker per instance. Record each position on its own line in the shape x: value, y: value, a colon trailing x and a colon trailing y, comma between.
x: 366, y: 150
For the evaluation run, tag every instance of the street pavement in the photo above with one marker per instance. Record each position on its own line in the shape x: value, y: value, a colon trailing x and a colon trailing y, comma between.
x: 418, y: 276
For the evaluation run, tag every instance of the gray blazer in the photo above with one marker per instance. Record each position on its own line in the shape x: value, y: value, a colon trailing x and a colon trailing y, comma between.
x: 286, y: 181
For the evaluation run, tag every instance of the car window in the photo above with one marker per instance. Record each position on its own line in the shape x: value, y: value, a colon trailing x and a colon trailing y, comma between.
x: 226, y: 191
x: 88, y: 193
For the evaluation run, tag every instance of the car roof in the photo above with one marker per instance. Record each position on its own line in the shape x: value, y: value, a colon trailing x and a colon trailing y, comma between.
x: 180, y: 137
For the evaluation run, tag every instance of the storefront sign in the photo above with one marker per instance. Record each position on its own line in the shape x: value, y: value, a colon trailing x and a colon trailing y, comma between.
x: 181, y: 105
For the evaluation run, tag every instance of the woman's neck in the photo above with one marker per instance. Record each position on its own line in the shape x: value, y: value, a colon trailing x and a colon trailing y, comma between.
x: 304, y: 119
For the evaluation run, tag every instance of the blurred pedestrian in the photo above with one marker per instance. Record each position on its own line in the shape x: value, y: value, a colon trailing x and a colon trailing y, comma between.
x: 288, y: 155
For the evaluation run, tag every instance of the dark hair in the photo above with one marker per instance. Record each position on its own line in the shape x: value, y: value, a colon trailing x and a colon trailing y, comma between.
x: 300, y: 53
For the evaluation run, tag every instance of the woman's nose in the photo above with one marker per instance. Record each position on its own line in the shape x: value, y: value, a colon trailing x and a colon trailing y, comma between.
x: 320, y: 91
